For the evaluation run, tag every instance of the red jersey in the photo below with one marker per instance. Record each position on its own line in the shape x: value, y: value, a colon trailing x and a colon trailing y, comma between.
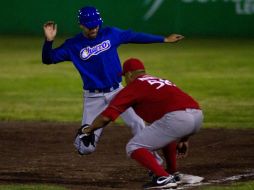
x: 151, y: 98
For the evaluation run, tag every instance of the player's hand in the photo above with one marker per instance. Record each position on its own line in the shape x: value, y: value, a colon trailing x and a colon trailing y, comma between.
x: 50, y: 29
x: 86, y: 135
x: 182, y: 149
x: 173, y: 38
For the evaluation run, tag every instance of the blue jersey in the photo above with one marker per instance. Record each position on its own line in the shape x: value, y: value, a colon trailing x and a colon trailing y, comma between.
x: 96, y: 59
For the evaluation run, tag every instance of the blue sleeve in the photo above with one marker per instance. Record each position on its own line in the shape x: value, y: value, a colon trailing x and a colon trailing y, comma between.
x: 50, y: 55
x: 128, y: 36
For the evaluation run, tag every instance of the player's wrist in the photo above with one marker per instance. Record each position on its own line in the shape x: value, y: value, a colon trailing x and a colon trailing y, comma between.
x: 87, y: 130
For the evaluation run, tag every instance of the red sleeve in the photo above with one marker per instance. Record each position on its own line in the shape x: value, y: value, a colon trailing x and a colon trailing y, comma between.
x: 122, y: 101
x: 111, y: 113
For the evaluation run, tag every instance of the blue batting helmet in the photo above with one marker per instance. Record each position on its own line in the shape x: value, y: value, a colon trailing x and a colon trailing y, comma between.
x: 89, y: 17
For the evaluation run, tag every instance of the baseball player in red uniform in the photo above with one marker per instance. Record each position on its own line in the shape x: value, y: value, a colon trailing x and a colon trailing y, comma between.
x: 173, y: 116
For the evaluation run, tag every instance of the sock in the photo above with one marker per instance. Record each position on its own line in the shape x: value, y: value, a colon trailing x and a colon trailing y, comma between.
x: 146, y: 159
x: 169, y: 153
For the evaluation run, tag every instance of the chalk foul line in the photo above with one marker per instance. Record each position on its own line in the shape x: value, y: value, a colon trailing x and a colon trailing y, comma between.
x: 250, y: 174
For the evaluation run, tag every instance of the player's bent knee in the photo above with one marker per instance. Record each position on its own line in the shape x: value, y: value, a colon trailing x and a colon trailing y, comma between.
x: 82, y: 149
x: 130, y: 147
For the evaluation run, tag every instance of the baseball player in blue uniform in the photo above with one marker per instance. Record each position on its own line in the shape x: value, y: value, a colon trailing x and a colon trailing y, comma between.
x: 94, y: 54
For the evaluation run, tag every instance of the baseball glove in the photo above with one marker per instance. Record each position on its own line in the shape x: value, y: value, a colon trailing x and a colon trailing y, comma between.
x: 87, y: 139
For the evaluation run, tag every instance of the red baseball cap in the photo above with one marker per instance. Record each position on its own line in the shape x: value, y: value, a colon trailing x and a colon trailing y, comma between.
x: 132, y: 64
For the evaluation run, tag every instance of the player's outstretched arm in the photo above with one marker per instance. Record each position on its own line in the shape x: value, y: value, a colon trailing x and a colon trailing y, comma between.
x: 99, y: 122
x: 173, y: 38
x: 50, y: 30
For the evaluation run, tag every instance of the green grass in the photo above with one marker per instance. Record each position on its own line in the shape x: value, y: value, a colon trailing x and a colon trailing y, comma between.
x: 219, y: 73
x: 30, y: 187
x: 235, y: 186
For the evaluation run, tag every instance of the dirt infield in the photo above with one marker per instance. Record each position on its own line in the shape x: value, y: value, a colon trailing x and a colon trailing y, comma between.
x: 44, y: 153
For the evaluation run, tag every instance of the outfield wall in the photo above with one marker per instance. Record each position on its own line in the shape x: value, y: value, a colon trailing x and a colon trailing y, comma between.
x: 225, y: 18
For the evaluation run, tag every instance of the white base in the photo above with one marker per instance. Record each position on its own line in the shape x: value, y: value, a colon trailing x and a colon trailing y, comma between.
x: 190, y: 179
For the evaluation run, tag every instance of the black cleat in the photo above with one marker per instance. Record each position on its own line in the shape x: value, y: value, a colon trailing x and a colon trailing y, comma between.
x: 161, y: 183
x: 178, y: 177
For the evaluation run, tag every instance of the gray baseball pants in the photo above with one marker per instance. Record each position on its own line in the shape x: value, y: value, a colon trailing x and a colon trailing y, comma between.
x: 172, y: 126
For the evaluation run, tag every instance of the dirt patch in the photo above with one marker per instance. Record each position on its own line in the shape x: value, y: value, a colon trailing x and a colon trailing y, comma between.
x: 44, y: 153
